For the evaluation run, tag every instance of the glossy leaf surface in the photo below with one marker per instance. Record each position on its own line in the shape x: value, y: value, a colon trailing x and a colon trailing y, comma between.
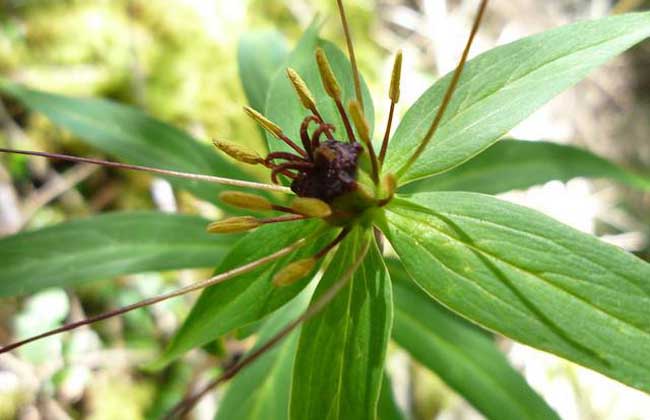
x: 529, y: 277
x: 512, y: 164
x: 501, y: 87
x: 340, y: 358
x: 103, y: 247
x: 462, y: 355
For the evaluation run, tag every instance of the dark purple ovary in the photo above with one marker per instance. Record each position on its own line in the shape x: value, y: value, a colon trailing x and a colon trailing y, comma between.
x: 334, y: 172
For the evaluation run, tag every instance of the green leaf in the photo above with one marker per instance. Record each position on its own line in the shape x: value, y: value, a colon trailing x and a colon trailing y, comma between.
x: 522, y: 274
x: 248, y: 297
x: 131, y: 136
x: 387, y: 409
x: 105, y: 246
x: 501, y: 87
x: 465, y: 357
x: 283, y: 106
x: 262, y: 389
x: 340, y: 357
x: 514, y: 164
x: 260, y: 56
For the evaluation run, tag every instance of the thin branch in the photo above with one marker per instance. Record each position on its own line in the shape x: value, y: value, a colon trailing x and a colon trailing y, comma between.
x: 448, y: 93
x: 165, y: 172
x: 219, y: 278
x: 186, y: 405
x: 353, y: 59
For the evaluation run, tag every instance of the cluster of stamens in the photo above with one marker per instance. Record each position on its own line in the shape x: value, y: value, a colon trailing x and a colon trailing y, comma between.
x: 320, y: 169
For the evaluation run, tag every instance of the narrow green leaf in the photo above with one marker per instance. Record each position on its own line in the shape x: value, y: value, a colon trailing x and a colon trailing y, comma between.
x: 105, y: 246
x: 260, y: 56
x: 387, y: 409
x: 262, y: 389
x: 465, y: 357
x: 283, y: 106
x: 501, y: 87
x: 513, y: 164
x: 340, y: 358
x: 249, y: 297
x: 131, y: 136
x: 529, y: 277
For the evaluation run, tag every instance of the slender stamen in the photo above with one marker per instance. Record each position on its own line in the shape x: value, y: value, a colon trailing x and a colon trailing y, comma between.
x: 299, y: 269
x: 166, y: 172
x: 448, y: 93
x: 273, y: 128
x: 333, y: 89
x: 393, y: 94
x: 186, y: 405
x: 363, y: 129
x: 353, y: 58
x: 179, y: 292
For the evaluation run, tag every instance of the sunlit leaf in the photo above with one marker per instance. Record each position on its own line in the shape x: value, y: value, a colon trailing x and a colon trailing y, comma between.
x: 283, y: 106
x: 513, y: 164
x: 529, y: 277
x: 501, y: 87
x: 103, y: 247
x: 262, y: 389
x: 340, y: 357
x: 464, y: 356
x: 131, y: 136
x: 248, y: 297
x: 260, y: 55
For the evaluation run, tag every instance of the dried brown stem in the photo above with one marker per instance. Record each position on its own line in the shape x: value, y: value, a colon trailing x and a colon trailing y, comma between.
x: 448, y: 93
x: 353, y: 58
x: 165, y: 172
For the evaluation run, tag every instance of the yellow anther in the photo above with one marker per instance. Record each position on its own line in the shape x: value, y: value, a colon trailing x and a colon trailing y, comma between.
x: 238, y: 152
x: 293, y: 272
x: 304, y: 94
x: 245, y: 200
x: 327, y: 75
x: 394, y: 92
x: 234, y: 225
x: 359, y: 120
x: 389, y: 184
x: 264, y: 122
x: 311, y: 207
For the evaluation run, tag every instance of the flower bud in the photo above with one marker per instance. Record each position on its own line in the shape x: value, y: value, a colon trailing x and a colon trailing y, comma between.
x: 311, y: 207
x: 245, y: 200
x: 234, y: 225
x: 304, y: 94
x: 327, y: 75
x: 267, y: 124
x: 293, y: 272
x: 238, y: 152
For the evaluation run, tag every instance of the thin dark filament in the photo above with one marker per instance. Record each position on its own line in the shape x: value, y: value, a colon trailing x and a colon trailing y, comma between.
x: 346, y: 121
x: 300, y: 166
x: 293, y: 145
x: 165, y: 172
x: 315, y: 137
x: 284, y: 155
x: 389, y: 124
x: 179, y: 292
x: 448, y: 93
x: 353, y: 59
x: 327, y: 248
x: 186, y: 405
x: 280, y: 219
